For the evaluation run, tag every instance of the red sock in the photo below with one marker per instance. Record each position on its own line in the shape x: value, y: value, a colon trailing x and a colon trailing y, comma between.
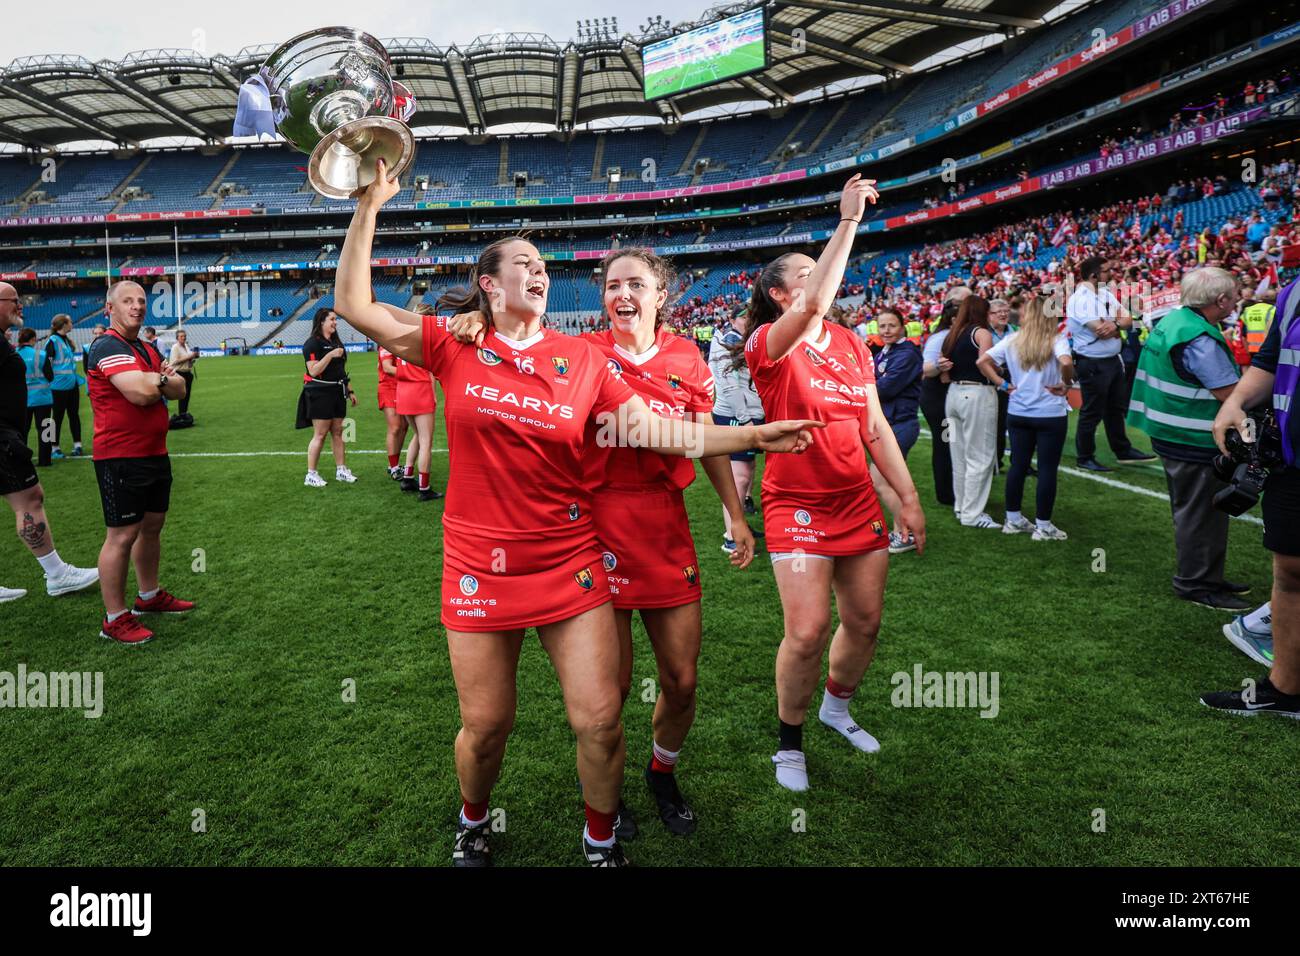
x: 658, y: 767
x: 474, y: 812
x: 392, y: 460
x: 600, y: 826
x: 424, y: 481
x: 838, y: 690
x: 410, y: 472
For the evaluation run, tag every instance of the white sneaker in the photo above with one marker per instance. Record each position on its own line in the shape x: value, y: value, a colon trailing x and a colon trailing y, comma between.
x: 791, y: 769
x: 1049, y: 533
x: 11, y: 594
x: 344, y: 474
x: 314, y: 480
x: 1018, y: 526
x: 983, y: 521
x: 70, y: 579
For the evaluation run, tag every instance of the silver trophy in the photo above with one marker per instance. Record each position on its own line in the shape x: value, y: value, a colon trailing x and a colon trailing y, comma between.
x: 332, y: 94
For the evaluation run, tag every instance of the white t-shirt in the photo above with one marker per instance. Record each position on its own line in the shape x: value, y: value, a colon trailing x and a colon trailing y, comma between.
x: 1031, y: 399
x: 933, y: 347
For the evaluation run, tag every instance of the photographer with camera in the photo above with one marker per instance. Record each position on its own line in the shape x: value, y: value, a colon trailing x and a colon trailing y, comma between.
x: 1185, y: 372
x: 1274, y: 372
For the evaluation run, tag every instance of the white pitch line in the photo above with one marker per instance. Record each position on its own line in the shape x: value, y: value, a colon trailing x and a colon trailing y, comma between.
x: 1136, y: 489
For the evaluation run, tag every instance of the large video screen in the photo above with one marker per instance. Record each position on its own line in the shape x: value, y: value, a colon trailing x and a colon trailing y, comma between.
x: 708, y: 54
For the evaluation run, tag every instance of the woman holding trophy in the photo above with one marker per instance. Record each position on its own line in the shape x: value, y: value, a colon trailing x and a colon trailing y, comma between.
x: 520, y: 547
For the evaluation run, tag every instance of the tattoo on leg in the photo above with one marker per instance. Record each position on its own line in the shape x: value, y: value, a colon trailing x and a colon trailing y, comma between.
x: 33, y: 531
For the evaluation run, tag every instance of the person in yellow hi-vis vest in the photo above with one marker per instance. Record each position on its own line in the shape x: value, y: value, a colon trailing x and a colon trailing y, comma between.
x: 1255, y: 321
x: 914, y: 330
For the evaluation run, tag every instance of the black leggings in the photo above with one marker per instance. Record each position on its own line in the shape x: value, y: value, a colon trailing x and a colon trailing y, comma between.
x: 1048, y: 436
x: 934, y: 395
x: 38, y: 415
x: 67, y: 400
x: 189, y: 389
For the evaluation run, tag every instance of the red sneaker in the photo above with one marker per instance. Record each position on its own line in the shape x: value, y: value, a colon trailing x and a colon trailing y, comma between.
x: 125, y: 630
x: 163, y: 603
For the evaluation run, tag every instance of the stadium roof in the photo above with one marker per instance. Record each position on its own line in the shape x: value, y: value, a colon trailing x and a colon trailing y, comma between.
x: 502, y: 78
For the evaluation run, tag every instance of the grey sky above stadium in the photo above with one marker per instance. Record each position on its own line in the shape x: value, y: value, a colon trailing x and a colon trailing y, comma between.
x: 96, y: 31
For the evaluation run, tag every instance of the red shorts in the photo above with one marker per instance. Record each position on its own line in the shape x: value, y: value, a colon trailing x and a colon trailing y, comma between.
x: 415, y: 398
x: 834, y: 525
x: 491, y: 584
x: 647, y: 548
x: 387, y: 393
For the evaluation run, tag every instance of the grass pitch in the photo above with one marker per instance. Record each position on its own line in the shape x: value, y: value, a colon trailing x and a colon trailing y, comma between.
x: 237, y: 709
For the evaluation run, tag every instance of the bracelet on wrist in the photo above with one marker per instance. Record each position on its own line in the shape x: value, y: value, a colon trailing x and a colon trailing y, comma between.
x: 846, y: 219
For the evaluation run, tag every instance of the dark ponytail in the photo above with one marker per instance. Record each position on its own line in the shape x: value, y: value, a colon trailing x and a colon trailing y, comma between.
x: 473, y: 297
x: 762, y: 307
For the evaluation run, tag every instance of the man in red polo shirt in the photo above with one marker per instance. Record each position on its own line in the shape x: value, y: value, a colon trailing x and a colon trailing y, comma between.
x: 128, y: 382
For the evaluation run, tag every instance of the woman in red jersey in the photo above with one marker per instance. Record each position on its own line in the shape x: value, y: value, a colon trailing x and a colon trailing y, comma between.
x: 824, y: 524
x: 519, y: 544
x: 640, y: 514
x: 395, y: 424
x: 416, y: 402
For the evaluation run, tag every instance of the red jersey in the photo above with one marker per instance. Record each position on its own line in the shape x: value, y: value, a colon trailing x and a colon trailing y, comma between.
x: 386, y: 356
x: 825, y: 381
x: 123, y: 430
x: 517, y: 416
x: 672, y: 378
x: 408, y: 371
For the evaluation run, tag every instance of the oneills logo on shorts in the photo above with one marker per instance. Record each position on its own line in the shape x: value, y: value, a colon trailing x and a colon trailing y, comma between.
x: 608, y: 560
x: 561, y: 363
x: 468, y: 584
x: 488, y: 357
x: 573, y: 511
x: 584, y: 579
x: 878, y: 528
x: 803, y: 518
x: 690, y: 574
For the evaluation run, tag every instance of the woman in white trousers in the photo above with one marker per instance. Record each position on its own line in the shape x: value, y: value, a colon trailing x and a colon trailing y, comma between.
x: 972, y: 413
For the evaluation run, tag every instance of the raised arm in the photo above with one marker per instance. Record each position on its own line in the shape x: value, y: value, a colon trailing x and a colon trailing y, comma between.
x: 395, y: 329
x: 812, y: 303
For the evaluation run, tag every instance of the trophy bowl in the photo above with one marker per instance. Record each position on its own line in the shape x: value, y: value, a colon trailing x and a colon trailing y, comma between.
x: 332, y: 92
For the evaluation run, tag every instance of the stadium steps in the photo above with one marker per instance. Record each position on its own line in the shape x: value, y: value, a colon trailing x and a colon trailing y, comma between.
x: 598, y: 160
x: 24, y: 196
x: 688, y: 164
x: 816, y: 144
x: 121, y: 187
x: 414, y: 301
x: 503, y: 164
x: 887, y: 123
x: 221, y: 175
x: 296, y: 314
x: 776, y: 155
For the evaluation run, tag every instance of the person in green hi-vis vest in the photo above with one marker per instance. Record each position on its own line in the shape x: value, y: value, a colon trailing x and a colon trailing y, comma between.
x: 1186, y: 371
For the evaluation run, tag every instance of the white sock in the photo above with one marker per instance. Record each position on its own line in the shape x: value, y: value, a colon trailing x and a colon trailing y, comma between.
x: 1044, y: 523
x: 148, y: 595
x: 834, y: 713
x: 666, y: 757
x: 311, y: 472
x: 114, y: 616
x: 51, y: 563
x: 586, y: 835
x: 1014, y: 517
x: 791, y: 770
x: 472, y: 823
x: 1260, y: 619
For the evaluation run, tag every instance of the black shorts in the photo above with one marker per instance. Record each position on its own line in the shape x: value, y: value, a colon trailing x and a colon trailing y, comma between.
x: 1281, y: 510
x: 727, y: 420
x: 131, y: 487
x: 16, y: 471
x: 321, y: 402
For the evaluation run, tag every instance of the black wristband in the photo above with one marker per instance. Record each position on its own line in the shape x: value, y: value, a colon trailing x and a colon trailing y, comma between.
x: 851, y: 220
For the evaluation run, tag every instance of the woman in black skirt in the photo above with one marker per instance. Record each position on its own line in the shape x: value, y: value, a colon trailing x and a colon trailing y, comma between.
x: 325, y: 394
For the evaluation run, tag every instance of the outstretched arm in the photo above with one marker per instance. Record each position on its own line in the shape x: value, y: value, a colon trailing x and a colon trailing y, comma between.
x: 395, y: 329
x: 634, y: 425
x: 818, y: 295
